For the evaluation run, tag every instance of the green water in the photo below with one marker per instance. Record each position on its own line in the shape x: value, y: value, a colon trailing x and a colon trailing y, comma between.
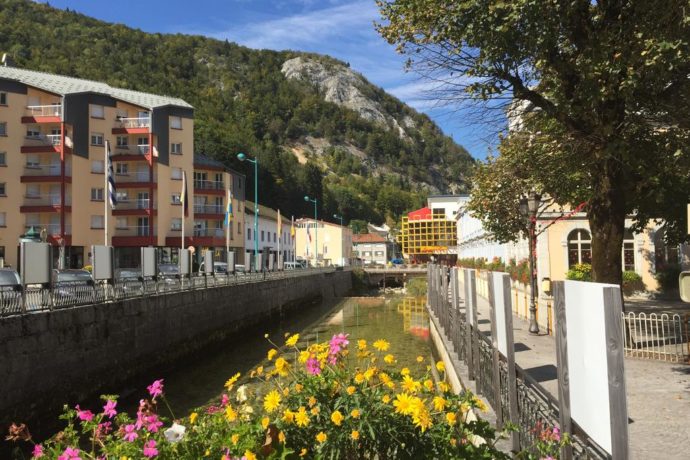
x: 401, y: 321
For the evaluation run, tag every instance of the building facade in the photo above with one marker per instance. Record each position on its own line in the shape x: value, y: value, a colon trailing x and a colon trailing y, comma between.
x: 271, y: 242
x: 331, y: 242
x: 371, y: 249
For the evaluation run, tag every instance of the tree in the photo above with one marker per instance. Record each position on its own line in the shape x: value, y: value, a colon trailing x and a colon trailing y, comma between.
x: 597, y: 73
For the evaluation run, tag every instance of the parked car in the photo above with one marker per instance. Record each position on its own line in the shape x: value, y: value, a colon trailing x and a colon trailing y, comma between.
x: 397, y: 261
x: 218, y: 267
x: 293, y: 265
x: 72, y: 286
x: 122, y: 274
x: 10, y: 291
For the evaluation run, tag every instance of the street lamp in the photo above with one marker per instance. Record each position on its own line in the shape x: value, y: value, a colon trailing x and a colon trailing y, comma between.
x: 342, y: 239
x: 528, y: 209
x: 243, y: 157
x: 316, y: 229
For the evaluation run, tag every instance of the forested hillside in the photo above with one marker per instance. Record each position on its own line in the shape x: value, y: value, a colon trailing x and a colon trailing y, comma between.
x: 362, y: 169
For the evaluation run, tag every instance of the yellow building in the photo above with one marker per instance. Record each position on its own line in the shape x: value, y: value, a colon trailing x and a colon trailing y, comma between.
x: 53, y: 131
x: 428, y: 232
x: 332, y: 242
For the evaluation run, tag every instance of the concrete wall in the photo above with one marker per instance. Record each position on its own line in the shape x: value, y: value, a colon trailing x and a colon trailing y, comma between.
x: 49, y: 358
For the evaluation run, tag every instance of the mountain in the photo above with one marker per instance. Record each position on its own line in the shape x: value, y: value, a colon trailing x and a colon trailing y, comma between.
x: 317, y: 127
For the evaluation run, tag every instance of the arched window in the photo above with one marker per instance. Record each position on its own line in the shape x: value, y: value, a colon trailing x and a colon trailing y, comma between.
x: 628, y: 251
x: 579, y: 247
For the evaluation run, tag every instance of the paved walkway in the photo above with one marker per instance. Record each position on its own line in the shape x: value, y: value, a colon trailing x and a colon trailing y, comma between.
x: 658, y: 392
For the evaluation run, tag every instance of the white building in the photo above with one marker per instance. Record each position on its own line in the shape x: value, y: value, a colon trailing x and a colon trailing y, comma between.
x: 269, y: 240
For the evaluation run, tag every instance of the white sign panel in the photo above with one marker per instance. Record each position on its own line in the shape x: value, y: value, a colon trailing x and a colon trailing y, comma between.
x: 102, y: 262
x: 587, y: 359
x: 148, y: 262
x: 208, y: 262
x: 185, y: 262
x: 231, y: 261
x: 500, y: 312
x: 469, y: 306
x: 36, y: 260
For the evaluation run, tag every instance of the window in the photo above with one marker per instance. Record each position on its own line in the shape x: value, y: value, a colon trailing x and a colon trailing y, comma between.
x: 32, y: 161
x: 366, y: 254
x: 628, y: 251
x: 176, y: 148
x: 378, y: 253
x: 176, y: 173
x: 3, y: 128
x: 175, y: 198
x: 3, y: 220
x: 249, y: 233
x: 175, y: 122
x: 239, y: 229
x: 96, y: 194
x: 97, y: 166
x: 96, y: 221
x: 3, y: 158
x: 122, y: 142
x: 262, y: 236
x: 33, y: 132
x: 579, y: 247
x: 121, y: 196
x: 97, y: 111
x: 96, y: 138
x: 3, y: 98
x: 176, y: 224
x: 121, y: 222
x: 121, y: 168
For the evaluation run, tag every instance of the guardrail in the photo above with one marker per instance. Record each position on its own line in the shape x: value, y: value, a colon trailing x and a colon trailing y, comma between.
x: 662, y: 337
x: 65, y: 295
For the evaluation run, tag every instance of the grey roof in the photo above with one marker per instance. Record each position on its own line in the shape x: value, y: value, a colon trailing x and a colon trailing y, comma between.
x: 201, y: 159
x: 62, y: 85
x: 264, y: 211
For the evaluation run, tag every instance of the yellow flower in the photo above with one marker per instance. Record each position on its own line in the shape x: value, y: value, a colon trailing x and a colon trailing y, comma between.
x: 230, y: 414
x: 298, y: 387
x: 362, y: 344
x: 354, y: 435
x: 479, y: 404
x: 303, y: 452
x: 453, y: 442
x: 390, y: 359
x: 235, y: 438
x: 390, y: 384
x: 440, y: 403
x: 303, y: 356
x: 422, y: 419
x: 404, y: 371
x: 301, y: 417
x: 286, y: 391
x: 282, y: 366
x: 451, y: 418
x: 264, y: 422
x: 464, y: 408
x: 281, y: 437
x: 369, y: 373
x: 272, y: 354
x: 271, y: 401
x: 440, y: 366
x: 259, y: 370
x: 321, y: 437
x: 381, y: 345
x: 337, y: 418
x: 231, y: 381
x: 355, y: 413
x: 207, y: 453
x: 386, y: 399
x: 192, y: 417
x: 288, y: 416
x: 312, y: 401
x: 359, y: 378
x: 420, y: 359
x: 292, y: 341
x: 249, y: 455
x: 402, y: 403
x: 429, y: 385
x: 410, y: 385
x: 350, y: 390
x: 443, y: 386
x: 315, y: 410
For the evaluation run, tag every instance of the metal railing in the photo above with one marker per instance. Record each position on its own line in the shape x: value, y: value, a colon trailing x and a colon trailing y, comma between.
x: 51, y: 110
x: 142, y: 122
x: 141, y: 149
x: 54, y: 170
x: 65, y: 295
x: 46, y: 139
x: 45, y: 200
x: 134, y: 230
x: 52, y: 229
x: 665, y: 337
x: 209, y: 208
x: 216, y: 232
x: 132, y: 177
x: 134, y: 204
x: 209, y: 185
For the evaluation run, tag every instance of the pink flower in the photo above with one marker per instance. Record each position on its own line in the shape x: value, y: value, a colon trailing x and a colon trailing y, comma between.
x: 38, y: 451
x: 150, y: 449
x: 84, y: 415
x: 337, y: 343
x: 70, y: 454
x: 212, y: 409
x: 156, y: 388
x: 109, y: 408
x: 130, y: 433
x: 313, y: 366
x: 556, y: 434
x: 103, y: 429
x: 151, y: 423
x: 224, y: 400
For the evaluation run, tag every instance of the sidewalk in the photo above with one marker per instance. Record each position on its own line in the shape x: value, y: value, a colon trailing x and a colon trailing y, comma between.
x: 658, y: 392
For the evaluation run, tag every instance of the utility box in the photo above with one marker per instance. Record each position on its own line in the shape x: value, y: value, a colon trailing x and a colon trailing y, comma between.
x: 684, y: 286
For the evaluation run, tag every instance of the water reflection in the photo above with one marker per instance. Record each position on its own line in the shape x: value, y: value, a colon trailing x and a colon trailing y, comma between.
x: 415, y: 317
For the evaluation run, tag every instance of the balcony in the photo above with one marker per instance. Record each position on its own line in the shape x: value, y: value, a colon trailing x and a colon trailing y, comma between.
x: 208, y: 237
x: 141, y: 179
x: 140, y: 125
x: 213, y: 232
x: 44, y: 203
x: 138, y: 207
x: 51, y: 113
x: 46, y: 173
x: 134, y: 235
x: 42, y: 143
x: 131, y: 152
x: 209, y: 187
x: 211, y: 210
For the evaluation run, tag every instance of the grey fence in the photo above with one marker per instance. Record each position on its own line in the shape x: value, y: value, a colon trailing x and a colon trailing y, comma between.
x: 663, y: 337
x: 65, y: 295
x: 536, y: 406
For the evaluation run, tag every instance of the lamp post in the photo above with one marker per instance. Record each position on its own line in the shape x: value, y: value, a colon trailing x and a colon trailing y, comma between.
x: 316, y: 229
x: 342, y: 238
x: 243, y: 157
x: 528, y: 209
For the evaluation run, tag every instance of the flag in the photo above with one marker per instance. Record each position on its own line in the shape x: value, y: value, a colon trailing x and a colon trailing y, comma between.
x: 280, y: 225
x: 292, y: 227
x: 183, y: 194
x: 308, y: 233
x: 228, y: 209
x: 112, y: 193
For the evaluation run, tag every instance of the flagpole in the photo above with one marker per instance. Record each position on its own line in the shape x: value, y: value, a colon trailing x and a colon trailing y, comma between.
x: 106, y: 190
x: 184, y: 201
x: 227, y: 226
x: 280, y: 236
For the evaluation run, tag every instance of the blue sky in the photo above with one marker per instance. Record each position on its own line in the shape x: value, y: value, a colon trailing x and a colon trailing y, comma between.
x: 341, y: 28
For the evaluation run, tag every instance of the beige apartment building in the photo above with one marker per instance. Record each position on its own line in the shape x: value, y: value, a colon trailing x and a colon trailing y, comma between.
x: 331, y: 243
x: 53, y: 131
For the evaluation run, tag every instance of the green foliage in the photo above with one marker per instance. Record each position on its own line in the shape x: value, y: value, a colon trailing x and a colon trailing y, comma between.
x: 358, y: 226
x: 416, y: 287
x: 632, y: 282
x: 244, y: 103
x: 580, y: 272
x: 668, y: 278
x: 360, y: 280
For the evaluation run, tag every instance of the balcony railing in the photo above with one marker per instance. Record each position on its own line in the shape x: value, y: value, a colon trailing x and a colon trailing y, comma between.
x: 209, y: 185
x: 46, y: 139
x: 52, y: 110
x: 138, y: 176
x: 51, y: 229
x: 209, y: 209
x: 142, y: 122
x: 45, y: 200
x: 141, y: 149
x: 216, y: 232
x: 134, y: 230
x: 46, y: 170
x: 134, y: 204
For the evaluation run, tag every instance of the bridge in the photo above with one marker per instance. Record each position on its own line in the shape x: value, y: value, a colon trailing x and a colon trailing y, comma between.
x: 396, y: 275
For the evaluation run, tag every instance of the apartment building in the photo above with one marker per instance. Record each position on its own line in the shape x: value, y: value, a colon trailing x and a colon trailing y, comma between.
x: 53, y: 131
x: 331, y: 243
x: 372, y: 249
x: 270, y: 241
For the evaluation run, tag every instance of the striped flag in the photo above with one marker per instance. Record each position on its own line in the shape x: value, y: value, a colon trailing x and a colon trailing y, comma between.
x: 292, y: 227
x: 183, y: 194
x: 280, y: 225
x: 112, y: 192
x: 308, y: 232
x: 228, y: 209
